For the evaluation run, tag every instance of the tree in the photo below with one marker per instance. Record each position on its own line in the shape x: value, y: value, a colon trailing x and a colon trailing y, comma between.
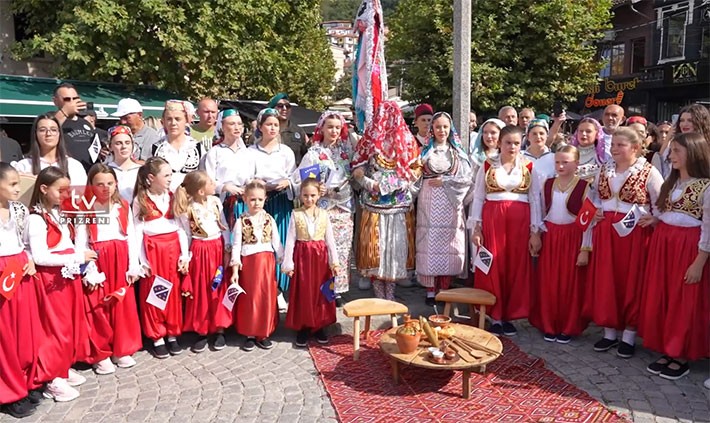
x: 217, y: 48
x: 344, y: 87
x: 524, y: 52
x: 345, y: 10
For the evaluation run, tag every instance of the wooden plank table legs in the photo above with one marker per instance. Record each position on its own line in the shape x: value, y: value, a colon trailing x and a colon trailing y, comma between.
x: 395, y: 370
x: 356, y: 338
x: 466, y: 391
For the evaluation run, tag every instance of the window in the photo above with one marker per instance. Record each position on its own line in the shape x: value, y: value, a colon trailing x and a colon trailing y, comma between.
x: 638, y: 54
x: 705, y: 43
x: 672, y: 23
x: 614, y: 57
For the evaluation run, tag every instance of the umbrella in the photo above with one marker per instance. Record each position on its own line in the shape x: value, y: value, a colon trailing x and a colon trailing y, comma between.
x: 369, y: 73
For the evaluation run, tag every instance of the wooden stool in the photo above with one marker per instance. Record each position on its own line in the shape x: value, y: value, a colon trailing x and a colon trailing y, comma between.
x: 370, y: 307
x: 470, y: 296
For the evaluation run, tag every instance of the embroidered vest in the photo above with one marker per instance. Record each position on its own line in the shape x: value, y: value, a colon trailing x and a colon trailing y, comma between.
x: 428, y: 173
x: 123, y: 211
x: 691, y: 202
x: 492, y: 184
x: 155, y: 213
x: 248, y: 236
x: 54, y: 233
x: 575, y: 199
x: 301, y: 221
x: 633, y: 191
x: 196, y: 222
x: 19, y: 213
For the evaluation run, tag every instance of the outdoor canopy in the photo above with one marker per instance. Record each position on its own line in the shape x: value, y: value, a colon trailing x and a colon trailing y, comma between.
x: 27, y: 97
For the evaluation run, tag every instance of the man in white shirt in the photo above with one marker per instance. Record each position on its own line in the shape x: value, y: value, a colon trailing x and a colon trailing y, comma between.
x: 613, y: 116
x: 509, y: 115
x: 130, y: 113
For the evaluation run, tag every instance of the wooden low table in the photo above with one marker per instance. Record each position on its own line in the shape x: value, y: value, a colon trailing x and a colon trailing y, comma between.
x: 467, y: 363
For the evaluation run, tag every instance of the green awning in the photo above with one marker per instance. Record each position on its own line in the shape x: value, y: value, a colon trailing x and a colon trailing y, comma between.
x: 27, y: 97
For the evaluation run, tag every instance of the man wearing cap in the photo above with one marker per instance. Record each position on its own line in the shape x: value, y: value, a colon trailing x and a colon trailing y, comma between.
x: 422, y: 119
x: 204, y: 131
x: 291, y: 134
x: 130, y: 113
x: 77, y: 132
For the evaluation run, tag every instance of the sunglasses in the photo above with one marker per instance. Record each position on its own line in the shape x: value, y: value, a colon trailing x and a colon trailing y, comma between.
x: 665, y: 122
x: 119, y: 129
x: 71, y: 98
x: 283, y: 106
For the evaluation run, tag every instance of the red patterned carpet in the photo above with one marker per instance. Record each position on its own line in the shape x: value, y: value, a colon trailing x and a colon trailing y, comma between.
x: 515, y: 388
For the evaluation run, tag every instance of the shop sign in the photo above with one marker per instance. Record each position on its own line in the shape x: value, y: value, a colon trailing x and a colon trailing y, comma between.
x: 684, y: 73
x: 610, y: 87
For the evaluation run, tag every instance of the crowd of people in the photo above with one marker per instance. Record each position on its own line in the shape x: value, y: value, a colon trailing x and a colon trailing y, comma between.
x: 192, y: 228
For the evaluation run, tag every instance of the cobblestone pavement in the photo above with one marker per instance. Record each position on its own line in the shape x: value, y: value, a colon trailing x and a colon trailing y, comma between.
x: 281, y: 384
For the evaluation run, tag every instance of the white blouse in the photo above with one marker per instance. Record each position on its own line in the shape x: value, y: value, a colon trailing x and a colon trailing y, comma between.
x: 224, y: 164
x: 560, y: 215
x: 159, y: 226
x: 182, y: 161
x: 616, y: 182
x: 259, y: 220
x: 687, y: 221
x: 208, y: 215
x: 12, y: 231
x: 77, y: 174
x: 274, y: 166
x: 126, y: 180
x: 42, y: 255
x: 291, y: 238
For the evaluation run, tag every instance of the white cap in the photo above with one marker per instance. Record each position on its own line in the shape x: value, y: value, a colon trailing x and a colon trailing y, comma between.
x: 127, y: 106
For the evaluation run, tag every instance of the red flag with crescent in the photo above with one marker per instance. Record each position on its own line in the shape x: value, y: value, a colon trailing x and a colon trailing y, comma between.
x: 10, y: 279
x: 117, y: 295
x: 586, y: 214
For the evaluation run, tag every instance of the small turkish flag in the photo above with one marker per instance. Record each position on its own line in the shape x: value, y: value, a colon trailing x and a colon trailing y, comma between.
x: 586, y: 214
x: 10, y: 279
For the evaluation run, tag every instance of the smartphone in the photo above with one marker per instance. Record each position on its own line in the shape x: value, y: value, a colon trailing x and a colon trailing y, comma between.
x: 557, y: 108
x: 90, y: 105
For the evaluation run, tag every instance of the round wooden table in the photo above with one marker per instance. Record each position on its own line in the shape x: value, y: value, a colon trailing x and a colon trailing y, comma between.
x: 468, y: 362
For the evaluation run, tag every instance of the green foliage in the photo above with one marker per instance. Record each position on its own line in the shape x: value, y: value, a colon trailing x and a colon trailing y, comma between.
x: 524, y: 52
x: 345, y: 10
x: 218, y: 48
x: 344, y: 87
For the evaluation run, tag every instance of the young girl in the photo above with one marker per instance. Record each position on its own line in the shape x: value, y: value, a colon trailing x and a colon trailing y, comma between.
x: 126, y: 170
x: 201, y: 217
x: 114, y: 326
x: 559, y: 291
x: 158, y: 235
x: 537, y: 151
x: 19, y: 317
x: 310, y: 259
x: 441, y: 223
x: 616, y: 272
x: 257, y: 247
x: 505, y: 206
x: 589, y: 140
x: 64, y: 335
x: 676, y: 296
x: 486, y: 144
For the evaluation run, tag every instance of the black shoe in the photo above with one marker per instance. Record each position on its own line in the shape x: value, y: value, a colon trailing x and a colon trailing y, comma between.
x: 219, y: 342
x: 657, y: 366
x: 321, y: 337
x: 550, y: 337
x: 161, y: 351
x: 563, y: 339
x: 430, y: 301
x: 35, y: 396
x: 625, y: 350
x: 496, y: 329
x: 605, y: 344
x: 675, y: 374
x: 200, y: 345
x: 249, y: 344
x: 302, y: 338
x: 174, y: 348
x: 19, y: 409
x: 265, y: 344
x: 338, y: 301
x: 509, y: 329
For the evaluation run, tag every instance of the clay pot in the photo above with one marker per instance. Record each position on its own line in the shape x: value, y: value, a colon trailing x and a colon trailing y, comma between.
x: 406, y: 343
x: 439, y: 320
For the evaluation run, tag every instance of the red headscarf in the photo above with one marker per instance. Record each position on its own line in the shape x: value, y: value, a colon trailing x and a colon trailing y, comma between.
x: 318, y: 134
x: 389, y: 136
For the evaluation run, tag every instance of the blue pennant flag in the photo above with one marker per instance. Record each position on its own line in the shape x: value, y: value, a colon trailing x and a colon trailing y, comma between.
x: 328, y: 289
x: 217, y: 281
x: 310, y: 172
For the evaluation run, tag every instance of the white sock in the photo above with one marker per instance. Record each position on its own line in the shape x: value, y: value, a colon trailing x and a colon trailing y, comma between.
x: 629, y: 336
x: 172, y: 339
x: 609, y: 333
x: 495, y: 322
x: 431, y: 294
x: 158, y: 342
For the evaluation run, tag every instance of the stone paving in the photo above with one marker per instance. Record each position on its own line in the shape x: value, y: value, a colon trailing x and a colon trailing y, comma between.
x: 281, y: 384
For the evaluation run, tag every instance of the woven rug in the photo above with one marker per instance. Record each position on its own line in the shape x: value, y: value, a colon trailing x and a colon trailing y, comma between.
x: 515, y: 388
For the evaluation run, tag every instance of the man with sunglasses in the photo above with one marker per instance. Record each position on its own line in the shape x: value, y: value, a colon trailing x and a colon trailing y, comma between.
x: 292, y: 135
x: 77, y: 132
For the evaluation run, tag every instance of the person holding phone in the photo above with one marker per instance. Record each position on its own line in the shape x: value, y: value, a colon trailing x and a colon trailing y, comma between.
x: 78, y: 132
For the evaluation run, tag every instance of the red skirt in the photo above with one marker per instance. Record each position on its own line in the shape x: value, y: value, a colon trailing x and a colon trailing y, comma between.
x: 204, y: 312
x: 163, y: 253
x: 615, y: 275
x: 114, y: 326
x: 65, y: 331
x: 13, y: 372
x: 559, y: 287
x: 256, y: 314
x: 675, y: 316
x: 506, y: 234
x: 307, y: 307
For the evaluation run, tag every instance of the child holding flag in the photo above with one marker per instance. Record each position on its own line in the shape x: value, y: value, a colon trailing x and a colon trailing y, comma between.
x: 627, y: 187
x: 311, y: 261
x: 201, y: 217
x: 565, y: 250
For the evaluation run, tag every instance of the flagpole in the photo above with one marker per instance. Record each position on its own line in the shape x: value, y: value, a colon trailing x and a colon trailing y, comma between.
x: 462, y: 68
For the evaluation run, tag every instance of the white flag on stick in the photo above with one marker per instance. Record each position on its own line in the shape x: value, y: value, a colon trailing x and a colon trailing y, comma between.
x: 483, y: 260
x: 159, y: 292
x: 626, y: 225
x: 230, y: 297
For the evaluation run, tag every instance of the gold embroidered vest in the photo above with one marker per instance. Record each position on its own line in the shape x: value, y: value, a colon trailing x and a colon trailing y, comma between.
x: 248, y: 236
x: 300, y: 218
x: 196, y: 221
x: 492, y: 184
x: 633, y: 191
x: 691, y: 202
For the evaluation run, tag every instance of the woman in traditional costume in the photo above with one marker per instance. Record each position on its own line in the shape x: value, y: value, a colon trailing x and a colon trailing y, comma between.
x: 589, y: 140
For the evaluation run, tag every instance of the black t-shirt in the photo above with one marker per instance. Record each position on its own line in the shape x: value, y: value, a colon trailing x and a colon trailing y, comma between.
x: 10, y: 150
x: 78, y: 136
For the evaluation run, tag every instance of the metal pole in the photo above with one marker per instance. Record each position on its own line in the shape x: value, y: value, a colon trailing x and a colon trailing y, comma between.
x: 462, y: 68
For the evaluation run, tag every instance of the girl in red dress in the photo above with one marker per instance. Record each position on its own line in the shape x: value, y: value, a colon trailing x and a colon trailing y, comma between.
x: 64, y: 329
x: 561, y: 268
x: 675, y: 309
x: 506, y: 202
x: 255, y: 251
x: 616, y: 272
x: 20, y: 310
x: 201, y: 217
x: 111, y: 305
x: 158, y: 233
x: 310, y: 260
